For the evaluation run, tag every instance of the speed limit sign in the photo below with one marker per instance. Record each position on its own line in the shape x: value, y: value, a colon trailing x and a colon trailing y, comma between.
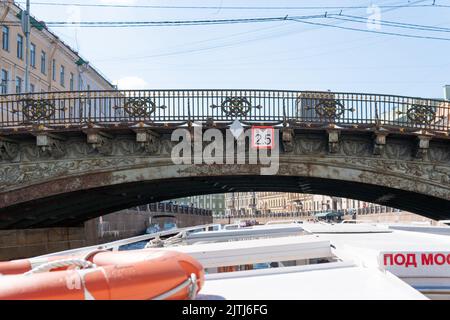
x: 263, y: 137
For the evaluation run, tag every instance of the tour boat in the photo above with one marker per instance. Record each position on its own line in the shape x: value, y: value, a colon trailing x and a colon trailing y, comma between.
x: 279, y: 260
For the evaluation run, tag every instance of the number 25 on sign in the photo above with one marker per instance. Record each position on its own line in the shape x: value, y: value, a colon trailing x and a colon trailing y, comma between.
x: 263, y: 137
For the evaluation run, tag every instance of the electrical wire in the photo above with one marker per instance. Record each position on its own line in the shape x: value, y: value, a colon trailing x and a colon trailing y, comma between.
x: 389, y: 23
x: 373, y: 31
x: 235, y: 7
x: 300, y: 19
x: 171, y: 23
x: 397, y: 23
x: 196, y: 50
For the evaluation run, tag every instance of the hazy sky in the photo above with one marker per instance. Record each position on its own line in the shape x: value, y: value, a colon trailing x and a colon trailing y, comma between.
x: 269, y: 55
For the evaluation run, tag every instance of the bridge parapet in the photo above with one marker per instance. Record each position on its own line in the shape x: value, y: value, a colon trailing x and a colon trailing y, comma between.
x: 168, y: 108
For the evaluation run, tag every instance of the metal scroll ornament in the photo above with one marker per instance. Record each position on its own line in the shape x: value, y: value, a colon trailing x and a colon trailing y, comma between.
x: 140, y: 107
x: 36, y: 110
x: 421, y: 114
x: 236, y: 106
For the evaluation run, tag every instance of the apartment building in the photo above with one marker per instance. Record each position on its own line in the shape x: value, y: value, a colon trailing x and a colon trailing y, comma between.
x: 54, y: 66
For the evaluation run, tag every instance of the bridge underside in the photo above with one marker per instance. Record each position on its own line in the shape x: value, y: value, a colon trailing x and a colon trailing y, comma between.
x: 72, y: 209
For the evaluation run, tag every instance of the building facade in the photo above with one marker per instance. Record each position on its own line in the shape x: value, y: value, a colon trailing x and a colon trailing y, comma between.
x: 213, y: 202
x: 251, y: 204
x: 54, y: 66
x: 241, y: 203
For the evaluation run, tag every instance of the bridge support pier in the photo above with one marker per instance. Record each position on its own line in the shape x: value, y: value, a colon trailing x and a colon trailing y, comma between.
x: 99, y: 141
x: 50, y: 144
x: 333, y: 140
x: 288, y: 140
x: 423, y: 145
x: 380, y: 142
x: 147, y: 140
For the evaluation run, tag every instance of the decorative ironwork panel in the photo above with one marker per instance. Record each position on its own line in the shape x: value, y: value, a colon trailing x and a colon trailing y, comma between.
x: 330, y: 108
x: 37, y: 110
x: 421, y: 114
x: 140, y: 107
x: 236, y: 106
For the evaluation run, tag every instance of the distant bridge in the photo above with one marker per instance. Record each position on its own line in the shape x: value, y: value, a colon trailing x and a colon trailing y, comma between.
x: 66, y: 157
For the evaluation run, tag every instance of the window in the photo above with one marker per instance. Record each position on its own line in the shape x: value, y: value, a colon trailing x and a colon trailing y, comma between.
x: 61, y: 76
x: 19, y: 46
x: 31, y: 87
x: 54, y: 70
x: 4, y: 83
x: 18, y: 84
x: 43, y: 62
x: 33, y: 55
x: 5, y: 38
x: 71, y: 84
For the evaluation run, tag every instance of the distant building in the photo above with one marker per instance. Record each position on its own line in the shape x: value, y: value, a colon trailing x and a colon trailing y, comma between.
x: 241, y: 203
x: 213, y: 202
x: 250, y: 204
x: 54, y: 66
x: 443, y: 114
x: 310, y: 104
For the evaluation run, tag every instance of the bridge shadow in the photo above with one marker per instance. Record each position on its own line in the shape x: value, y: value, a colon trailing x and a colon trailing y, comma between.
x: 73, y: 208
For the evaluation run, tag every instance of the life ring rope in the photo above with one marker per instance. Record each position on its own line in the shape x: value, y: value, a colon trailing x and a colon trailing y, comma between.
x: 158, y: 243
x: 190, y: 282
x: 81, y: 263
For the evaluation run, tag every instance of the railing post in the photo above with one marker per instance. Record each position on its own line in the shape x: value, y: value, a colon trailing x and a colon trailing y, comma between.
x: 377, y: 116
x: 189, y: 114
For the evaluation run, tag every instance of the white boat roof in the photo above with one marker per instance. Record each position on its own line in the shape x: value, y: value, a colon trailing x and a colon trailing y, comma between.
x: 257, y: 251
x: 266, y: 231
x: 345, y: 228
x: 396, y: 240
x: 326, y: 281
x: 443, y: 230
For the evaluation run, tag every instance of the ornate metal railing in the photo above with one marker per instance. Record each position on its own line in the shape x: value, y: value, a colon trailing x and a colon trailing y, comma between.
x: 175, y: 107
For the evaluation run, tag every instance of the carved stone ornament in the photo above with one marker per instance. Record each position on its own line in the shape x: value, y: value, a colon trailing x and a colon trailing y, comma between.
x: 8, y: 150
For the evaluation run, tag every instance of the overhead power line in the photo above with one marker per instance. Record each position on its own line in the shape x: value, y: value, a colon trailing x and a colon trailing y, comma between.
x: 435, y: 5
x: 171, y: 23
x: 372, y: 31
x: 350, y: 18
x: 388, y: 23
x: 302, y: 19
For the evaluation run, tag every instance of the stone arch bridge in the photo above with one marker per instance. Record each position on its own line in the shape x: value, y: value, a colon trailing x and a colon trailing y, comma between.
x: 71, y: 156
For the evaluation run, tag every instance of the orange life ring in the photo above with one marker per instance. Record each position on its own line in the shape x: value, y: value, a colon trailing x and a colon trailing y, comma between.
x: 98, y: 257
x: 23, y: 265
x: 162, y: 275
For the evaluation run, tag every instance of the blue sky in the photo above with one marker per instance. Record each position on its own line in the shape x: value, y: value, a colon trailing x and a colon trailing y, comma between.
x: 272, y: 55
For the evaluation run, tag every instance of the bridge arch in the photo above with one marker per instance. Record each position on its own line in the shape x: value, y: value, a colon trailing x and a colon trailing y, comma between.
x: 68, y: 157
x: 70, y: 200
